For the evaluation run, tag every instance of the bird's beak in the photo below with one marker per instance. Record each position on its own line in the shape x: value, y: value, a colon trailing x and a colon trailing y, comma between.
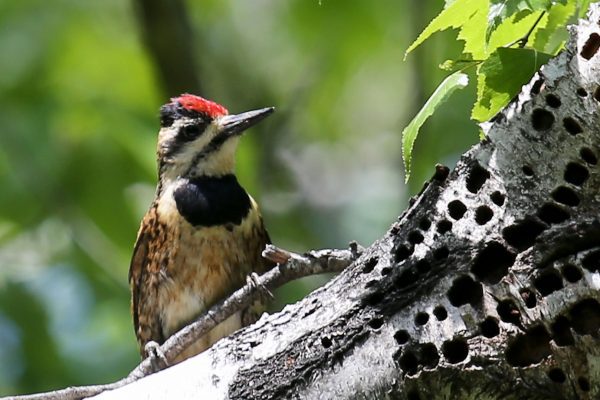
x: 232, y: 125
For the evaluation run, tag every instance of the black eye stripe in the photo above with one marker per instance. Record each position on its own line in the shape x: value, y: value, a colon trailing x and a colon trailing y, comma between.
x: 188, y: 133
x: 185, y: 134
x: 195, y: 124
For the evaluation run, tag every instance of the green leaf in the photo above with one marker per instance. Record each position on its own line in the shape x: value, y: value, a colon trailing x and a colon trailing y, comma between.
x: 457, y: 80
x: 468, y: 15
x: 547, y: 38
x: 501, y: 10
x: 473, y: 31
x: 515, y: 28
x: 501, y: 77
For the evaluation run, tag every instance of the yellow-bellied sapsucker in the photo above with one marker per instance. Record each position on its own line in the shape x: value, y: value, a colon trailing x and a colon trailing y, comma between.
x: 203, y: 234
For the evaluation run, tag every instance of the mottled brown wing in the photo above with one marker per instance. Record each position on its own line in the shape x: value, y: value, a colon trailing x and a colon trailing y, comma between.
x: 143, y: 280
x: 261, y: 265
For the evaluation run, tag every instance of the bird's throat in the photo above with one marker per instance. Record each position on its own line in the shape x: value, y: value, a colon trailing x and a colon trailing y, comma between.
x: 210, y: 201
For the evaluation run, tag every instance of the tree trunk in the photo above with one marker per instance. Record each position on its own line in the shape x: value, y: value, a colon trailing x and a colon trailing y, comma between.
x: 487, y: 287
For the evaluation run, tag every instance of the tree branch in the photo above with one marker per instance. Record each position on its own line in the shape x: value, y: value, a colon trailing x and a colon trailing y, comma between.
x: 291, y: 266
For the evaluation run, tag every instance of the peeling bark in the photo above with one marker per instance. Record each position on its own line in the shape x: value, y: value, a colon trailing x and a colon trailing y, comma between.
x: 487, y: 287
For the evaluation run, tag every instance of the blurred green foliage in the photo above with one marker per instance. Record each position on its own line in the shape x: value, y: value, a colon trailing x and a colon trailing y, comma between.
x: 78, y: 110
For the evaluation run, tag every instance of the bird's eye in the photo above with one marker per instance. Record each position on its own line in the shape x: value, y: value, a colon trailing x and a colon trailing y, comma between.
x: 190, y: 132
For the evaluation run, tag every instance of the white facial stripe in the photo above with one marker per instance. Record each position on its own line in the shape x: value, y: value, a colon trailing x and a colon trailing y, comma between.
x: 219, y: 162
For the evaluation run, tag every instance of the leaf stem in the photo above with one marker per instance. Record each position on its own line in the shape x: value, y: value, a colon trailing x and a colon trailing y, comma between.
x: 522, y: 42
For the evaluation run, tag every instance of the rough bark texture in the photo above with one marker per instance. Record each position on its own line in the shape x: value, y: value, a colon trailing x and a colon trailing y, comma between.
x: 487, y: 287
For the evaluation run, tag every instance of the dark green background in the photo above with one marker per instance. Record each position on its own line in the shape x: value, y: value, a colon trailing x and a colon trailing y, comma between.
x: 79, y: 95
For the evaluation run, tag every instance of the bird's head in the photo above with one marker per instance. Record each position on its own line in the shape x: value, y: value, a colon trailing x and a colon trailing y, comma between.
x: 198, y: 137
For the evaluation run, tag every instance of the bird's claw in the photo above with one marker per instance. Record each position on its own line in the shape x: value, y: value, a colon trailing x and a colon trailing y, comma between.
x: 157, y: 356
x: 254, y: 282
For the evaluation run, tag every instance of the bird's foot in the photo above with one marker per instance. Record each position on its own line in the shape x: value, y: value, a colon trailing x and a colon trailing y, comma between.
x: 157, y: 357
x: 254, y: 281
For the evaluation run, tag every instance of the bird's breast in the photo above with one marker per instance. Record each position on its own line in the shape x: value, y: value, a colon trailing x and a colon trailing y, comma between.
x: 207, y: 260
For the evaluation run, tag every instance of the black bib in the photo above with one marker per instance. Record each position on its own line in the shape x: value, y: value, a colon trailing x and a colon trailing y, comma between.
x: 210, y: 201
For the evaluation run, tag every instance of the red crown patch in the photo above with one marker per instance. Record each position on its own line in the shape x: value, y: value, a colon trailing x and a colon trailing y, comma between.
x: 201, y: 105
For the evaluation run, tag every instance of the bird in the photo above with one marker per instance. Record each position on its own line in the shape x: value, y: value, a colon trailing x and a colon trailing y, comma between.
x: 203, y: 234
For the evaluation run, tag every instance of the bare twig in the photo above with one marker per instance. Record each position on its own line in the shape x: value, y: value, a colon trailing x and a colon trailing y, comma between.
x: 294, y: 266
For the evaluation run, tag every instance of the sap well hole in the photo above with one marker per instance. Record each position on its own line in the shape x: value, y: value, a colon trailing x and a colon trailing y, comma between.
x: 528, y: 298
x: 557, y: 375
x: 444, y: 226
x: 455, y: 351
x: 497, y: 198
x: 465, y: 290
x: 585, y: 317
x: 583, y: 383
x: 588, y: 155
x: 401, y: 336
x: 429, y: 355
x: 591, y: 261
x: 457, y: 209
x: 409, y: 362
x: 415, y: 237
x: 476, y: 178
x: 489, y: 327
x: 527, y: 170
x: 522, y: 234
x: 552, y: 213
x: 572, y: 126
x: 591, y: 46
x: 492, y: 263
x: 548, y: 281
x: 541, y: 119
x: 483, y: 214
x: 529, y: 348
x: 370, y: 265
x: 441, y: 253
x: 421, y: 318
x: 576, y: 174
x: 561, y: 331
x: 553, y: 100
x: 571, y: 273
x: 424, y: 223
x: 508, y: 311
x: 440, y: 313
x: 565, y: 195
